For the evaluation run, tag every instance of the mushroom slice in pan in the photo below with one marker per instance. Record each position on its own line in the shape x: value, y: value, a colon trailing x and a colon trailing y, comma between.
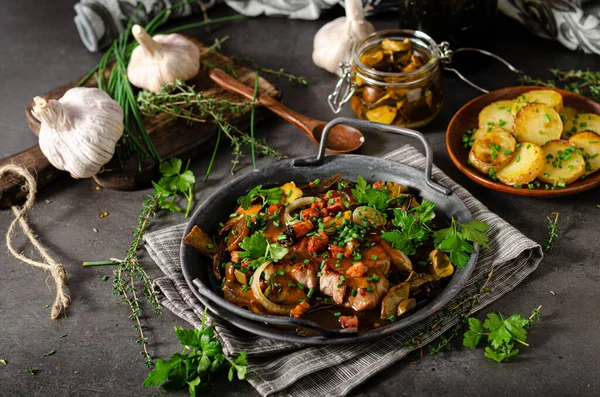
x: 392, y: 299
x: 405, y: 306
x: 397, y: 257
x: 440, y: 265
x: 201, y: 242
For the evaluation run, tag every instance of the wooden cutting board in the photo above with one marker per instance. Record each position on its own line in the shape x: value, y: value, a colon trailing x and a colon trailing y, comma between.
x: 172, y: 137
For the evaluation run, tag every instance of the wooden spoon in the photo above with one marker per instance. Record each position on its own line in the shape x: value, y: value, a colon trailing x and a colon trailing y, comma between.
x: 341, y: 139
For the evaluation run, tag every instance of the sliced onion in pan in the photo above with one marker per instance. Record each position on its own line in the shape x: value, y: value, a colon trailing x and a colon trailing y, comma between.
x: 261, y: 298
x: 298, y: 203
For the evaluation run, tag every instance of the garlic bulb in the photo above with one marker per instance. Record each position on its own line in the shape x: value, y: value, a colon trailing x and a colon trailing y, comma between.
x: 333, y: 42
x: 161, y: 60
x: 79, y: 131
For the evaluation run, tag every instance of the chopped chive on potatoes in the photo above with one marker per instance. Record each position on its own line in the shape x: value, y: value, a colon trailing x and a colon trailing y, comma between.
x: 494, y: 150
x: 497, y: 114
x: 537, y: 123
x: 547, y: 97
x: 534, y: 141
x: 581, y: 122
x: 589, y: 144
x: 564, y: 163
x: 527, y: 163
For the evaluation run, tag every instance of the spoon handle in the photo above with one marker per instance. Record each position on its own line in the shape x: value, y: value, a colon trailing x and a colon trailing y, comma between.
x: 231, y: 84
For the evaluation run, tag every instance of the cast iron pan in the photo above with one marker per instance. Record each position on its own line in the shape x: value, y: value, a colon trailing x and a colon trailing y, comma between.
x: 197, y: 269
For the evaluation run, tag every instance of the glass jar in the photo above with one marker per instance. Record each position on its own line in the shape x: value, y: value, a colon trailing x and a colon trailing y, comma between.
x: 409, y: 98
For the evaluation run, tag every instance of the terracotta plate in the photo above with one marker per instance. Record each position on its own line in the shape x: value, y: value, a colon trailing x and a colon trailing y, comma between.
x: 467, y: 118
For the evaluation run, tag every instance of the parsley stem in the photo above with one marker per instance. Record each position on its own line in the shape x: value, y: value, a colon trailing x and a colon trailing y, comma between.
x: 252, y: 110
x: 190, y: 198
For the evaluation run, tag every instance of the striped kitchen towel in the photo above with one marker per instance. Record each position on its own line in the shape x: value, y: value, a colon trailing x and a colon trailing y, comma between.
x: 286, y: 369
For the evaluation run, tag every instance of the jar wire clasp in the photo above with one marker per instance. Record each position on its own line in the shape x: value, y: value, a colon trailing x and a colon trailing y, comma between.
x: 344, y: 89
x: 446, y: 55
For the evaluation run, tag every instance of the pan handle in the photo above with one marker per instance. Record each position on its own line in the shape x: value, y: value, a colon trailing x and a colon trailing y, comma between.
x: 380, y: 127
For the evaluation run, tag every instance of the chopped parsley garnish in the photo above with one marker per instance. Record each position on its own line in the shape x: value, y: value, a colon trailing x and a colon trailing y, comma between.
x: 364, y: 194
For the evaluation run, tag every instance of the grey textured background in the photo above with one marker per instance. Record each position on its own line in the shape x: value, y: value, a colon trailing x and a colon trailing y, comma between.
x: 41, y: 49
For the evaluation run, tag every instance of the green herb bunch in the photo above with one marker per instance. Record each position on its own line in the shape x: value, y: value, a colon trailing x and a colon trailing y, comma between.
x: 183, y: 101
x: 201, y: 359
x: 130, y: 271
x: 583, y: 82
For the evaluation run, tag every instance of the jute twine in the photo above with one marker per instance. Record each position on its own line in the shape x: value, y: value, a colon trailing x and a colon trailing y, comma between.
x: 57, y: 271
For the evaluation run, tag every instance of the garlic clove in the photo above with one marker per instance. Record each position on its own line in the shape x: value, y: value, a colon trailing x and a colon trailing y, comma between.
x: 161, y: 60
x: 334, y: 41
x: 79, y: 131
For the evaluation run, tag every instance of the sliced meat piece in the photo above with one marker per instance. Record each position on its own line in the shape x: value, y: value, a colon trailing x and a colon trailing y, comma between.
x: 358, y: 269
x: 299, y: 310
x: 330, y: 284
x: 318, y: 242
x: 335, y: 250
x: 318, y: 204
x: 350, y: 247
x: 273, y: 209
x: 300, y: 250
x: 348, y: 321
x: 301, y: 228
x: 239, y: 231
x: 305, y: 274
x: 334, y: 205
x: 379, y: 185
x: 368, y: 293
x: 376, y: 259
x: 310, y: 213
x: 235, y: 256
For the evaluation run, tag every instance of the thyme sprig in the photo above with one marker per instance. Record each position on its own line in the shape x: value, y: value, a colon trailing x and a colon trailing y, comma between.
x: 130, y: 272
x: 583, y: 82
x: 183, y: 101
x: 280, y: 73
x: 553, y: 230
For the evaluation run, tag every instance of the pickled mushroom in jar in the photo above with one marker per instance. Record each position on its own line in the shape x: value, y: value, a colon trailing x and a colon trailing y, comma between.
x: 404, y: 95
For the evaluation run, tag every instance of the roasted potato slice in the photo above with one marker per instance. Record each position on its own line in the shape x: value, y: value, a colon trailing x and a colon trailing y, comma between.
x: 494, y: 150
x: 564, y: 163
x: 547, y: 97
x: 483, y: 131
x: 581, y: 122
x: 537, y: 123
x: 524, y: 167
x: 497, y: 114
x: 589, y: 144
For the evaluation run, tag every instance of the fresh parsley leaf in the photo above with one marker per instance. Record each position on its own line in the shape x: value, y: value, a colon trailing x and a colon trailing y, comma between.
x: 472, y: 337
x: 500, y: 355
x: 202, y: 356
x: 364, y: 194
x: 475, y: 231
x: 254, y: 246
x: 410, y: 235
x: 424, y: 212
x: 269, y: 196
x: 174, y: 182
x: 457, y: 243
x: 257, y: 246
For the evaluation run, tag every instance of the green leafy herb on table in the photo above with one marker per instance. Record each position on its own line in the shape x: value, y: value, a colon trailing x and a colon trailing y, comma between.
x: 257, y: 247
x: 268, y: 196
x: 3, y: 362
x: 502, y: 335
x: 553, y: 230
x: 365, y: 194
x: 31, y: 370
x: 457, y: 243
x: 583, y: 82
x: 173, y: 182
x: 201, y: 358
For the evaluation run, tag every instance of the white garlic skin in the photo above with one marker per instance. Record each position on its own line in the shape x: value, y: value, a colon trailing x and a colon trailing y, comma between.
x: 161, y: 60
x: 334, y: 41
x: 79, y: 132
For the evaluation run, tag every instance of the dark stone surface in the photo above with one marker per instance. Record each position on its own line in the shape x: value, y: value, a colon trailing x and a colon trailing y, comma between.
x: 99, y: 356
